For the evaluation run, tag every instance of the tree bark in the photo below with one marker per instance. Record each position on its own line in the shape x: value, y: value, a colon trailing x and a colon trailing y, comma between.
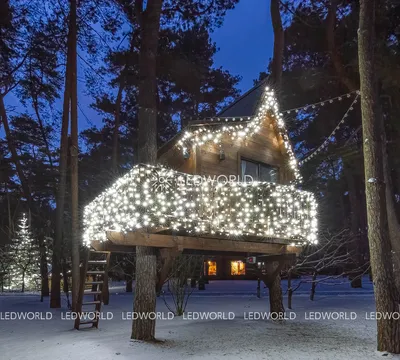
x: 14, y: 154
x: 145, y: 293
x: 55, y: 300
x: 23, y: 282
x: 42, y: 130
x: 335, y: 57
x: 275, y: 297
x: 277, y: 60
x: 146, y: 259
x: 386, y: 296
x: 355, y: 204
x: 273, y: 281
x: 75, y: 241
x: 393, y: 224
x: 290, y: 289
x: 313, y: 286
x: 117, y: 115
x: 275, y: 290
x: 45, y: 291
x: 129, y: 285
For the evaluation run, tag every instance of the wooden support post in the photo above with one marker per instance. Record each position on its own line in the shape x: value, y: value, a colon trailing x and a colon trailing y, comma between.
x: 272, y: 279
x: 105, y: 289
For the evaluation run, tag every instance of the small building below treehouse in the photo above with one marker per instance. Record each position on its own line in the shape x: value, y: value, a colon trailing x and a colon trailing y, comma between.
x: 225, y: 187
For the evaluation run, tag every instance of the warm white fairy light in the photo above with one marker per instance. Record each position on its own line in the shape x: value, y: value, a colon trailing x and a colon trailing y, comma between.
x: 140, y: 201
x: 332, y: 134
x: 269, y: 105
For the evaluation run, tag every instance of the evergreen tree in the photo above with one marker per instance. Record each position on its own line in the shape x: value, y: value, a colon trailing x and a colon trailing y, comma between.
x: 24, y: 253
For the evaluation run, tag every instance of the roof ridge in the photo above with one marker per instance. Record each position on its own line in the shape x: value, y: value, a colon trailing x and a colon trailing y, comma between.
x: 241, y: 97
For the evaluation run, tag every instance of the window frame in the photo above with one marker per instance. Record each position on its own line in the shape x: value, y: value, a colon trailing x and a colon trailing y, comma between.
x: 207, y: 268
x: 243, y: 271
x: 259, y: 164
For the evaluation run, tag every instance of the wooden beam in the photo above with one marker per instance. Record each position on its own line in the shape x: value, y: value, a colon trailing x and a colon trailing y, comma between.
x: 197, y: 243
x: 286, y: 258
x: 109, y: 246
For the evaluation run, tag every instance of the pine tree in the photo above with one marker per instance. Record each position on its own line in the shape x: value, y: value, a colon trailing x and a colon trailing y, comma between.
x: 25, y: 257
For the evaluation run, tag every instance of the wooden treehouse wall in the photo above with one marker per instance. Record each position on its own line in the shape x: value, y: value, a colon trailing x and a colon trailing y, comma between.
x: 266, y: 147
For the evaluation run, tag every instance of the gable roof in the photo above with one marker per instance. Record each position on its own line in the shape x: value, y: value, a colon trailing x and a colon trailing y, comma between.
x: 245, y: 105
x: 240, y: 119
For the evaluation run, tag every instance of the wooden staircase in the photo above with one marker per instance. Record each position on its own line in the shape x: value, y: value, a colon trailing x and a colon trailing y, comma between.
x: 94, y: 277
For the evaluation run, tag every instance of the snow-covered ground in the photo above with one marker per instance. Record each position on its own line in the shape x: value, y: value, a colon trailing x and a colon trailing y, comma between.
x: 242, y: 337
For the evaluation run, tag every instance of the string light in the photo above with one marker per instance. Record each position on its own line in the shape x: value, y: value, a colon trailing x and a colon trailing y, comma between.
x: 269, y: 105
x: 220, y: 119
x: 330, y: 137
x: 322, y: 103
x: 149, y: 197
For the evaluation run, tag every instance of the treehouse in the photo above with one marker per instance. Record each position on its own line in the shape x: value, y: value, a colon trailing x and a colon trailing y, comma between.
x: 222, y: 186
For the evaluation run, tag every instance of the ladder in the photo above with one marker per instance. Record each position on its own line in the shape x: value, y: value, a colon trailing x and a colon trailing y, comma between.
x: 94, y: 277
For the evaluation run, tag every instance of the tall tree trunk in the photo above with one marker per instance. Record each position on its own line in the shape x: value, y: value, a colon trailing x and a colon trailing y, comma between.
x: 290, y: 289
x: 55, y: 299
x: 277, y: 60
x: 117, y: 115
x: 355, y: 211
x: 146, y: 259
x: 129, y: 285
x: 273, y: 282
x: 386, y: 296
x: 23, y: 282
x: 44, y: 275
x: 313, y: 285
x: 333, y: 52
x: 393, y: 224
x: 275, y: 290
x: 42, y: 130
x: 14, y: 155
x: 75, y: 240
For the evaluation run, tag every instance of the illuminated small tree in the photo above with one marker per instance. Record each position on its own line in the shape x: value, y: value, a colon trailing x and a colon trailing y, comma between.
x: 25, y: 257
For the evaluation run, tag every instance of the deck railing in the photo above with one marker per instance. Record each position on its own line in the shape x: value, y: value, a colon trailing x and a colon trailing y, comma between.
x: 149, y: 198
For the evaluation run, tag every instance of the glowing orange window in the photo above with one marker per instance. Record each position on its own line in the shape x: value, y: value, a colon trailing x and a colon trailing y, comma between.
x: 212, y: 268
x: 238, y: 267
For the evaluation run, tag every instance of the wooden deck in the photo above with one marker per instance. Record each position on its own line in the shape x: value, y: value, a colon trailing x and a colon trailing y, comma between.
x: 120, y: 242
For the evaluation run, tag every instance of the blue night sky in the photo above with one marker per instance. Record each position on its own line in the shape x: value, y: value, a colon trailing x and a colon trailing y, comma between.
x: 245, y: 42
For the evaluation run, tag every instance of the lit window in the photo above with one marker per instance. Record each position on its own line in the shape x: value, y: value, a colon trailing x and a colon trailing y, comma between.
x: 212, y: 268
x: 238, y: 268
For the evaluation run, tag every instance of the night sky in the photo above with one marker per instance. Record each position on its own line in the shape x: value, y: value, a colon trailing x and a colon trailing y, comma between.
x: 245, y: 43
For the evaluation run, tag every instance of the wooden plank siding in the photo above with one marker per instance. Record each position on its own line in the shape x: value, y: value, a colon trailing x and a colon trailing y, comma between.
x: 266, y: 147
